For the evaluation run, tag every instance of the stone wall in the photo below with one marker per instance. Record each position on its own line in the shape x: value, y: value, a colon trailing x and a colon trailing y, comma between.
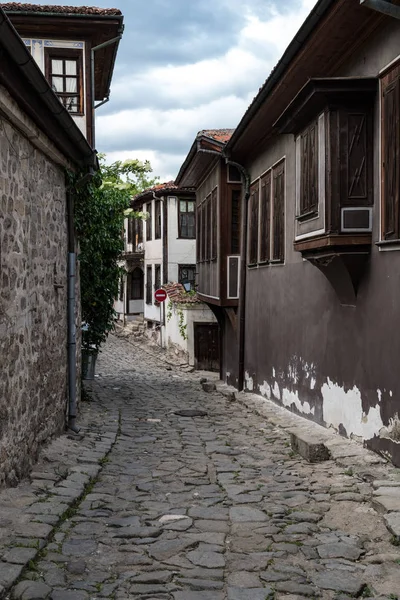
x: 33, y: 300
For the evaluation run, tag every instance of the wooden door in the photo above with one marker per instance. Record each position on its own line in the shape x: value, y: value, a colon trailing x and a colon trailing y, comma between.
x: 206, y: 346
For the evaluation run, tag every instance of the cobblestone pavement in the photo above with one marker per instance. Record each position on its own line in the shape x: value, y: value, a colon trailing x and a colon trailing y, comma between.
x: 213, y: 507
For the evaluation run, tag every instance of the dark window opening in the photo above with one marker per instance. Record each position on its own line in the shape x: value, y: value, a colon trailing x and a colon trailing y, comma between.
x: 136, y: 284
x: 157, y: 219
x: 186, y: 219
x: 187, y: 276
x: 149, y: 222
x: 234, y: 175
x: 157, y: 277
x: 149, y: 285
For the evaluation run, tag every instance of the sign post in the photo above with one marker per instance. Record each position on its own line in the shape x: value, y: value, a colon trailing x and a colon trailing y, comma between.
x: 160, y: 296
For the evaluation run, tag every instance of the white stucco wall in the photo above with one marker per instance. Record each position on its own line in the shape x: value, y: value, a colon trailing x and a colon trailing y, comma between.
x: 180, y: 251
x: 38, y: 46
x: 191, y: 314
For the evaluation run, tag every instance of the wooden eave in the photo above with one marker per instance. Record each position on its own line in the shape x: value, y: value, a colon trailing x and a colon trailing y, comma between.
x: 21, y: 76
x: 202, y: 156
x: 337, y: 35
x: 320, y: 93
x: 93, y: 29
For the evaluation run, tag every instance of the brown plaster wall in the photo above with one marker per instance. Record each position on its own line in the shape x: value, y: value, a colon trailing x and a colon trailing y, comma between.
x: 33, y: 325
x: 333, y: 364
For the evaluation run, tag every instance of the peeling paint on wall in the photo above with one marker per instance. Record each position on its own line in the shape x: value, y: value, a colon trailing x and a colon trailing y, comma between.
x: 265, y: 390
x: 392, y: 431
x: 343, y: 408
x: 290, y: 398
x: 249, y: 382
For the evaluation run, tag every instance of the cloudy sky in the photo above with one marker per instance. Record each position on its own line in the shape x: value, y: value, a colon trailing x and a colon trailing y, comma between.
x: 187, y: 65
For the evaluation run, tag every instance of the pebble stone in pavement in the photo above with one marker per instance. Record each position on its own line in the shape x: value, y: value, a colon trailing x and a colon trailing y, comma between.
x: 214, y: 507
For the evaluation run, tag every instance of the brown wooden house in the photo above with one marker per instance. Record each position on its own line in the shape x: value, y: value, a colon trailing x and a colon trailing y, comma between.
x: 218, y: 199
x: 318, y: 149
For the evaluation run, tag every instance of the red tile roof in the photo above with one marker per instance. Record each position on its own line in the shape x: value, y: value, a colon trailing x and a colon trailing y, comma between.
x: 168, y: 186
x: 50, y: 8
x: 220, y: 135
x: 176, y: 293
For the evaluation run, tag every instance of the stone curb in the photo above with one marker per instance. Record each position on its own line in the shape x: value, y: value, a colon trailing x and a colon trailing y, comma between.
x: 56, y: 493
x: 314, y: 443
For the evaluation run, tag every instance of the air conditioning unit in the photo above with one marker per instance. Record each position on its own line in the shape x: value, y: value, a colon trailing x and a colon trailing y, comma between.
x: 357, y: 219
x: 233, y: 274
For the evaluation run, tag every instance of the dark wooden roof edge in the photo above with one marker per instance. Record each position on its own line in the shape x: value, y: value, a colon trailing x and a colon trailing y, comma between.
x: 170, y: 191
x: 316, y: 15
x: 317, y: 93
x: 210, y: 145
x: 23, y: 78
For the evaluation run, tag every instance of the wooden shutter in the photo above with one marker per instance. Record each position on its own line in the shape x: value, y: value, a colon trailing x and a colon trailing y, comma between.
x: 390, y: 154
x: 253, y: 241
x: 265, y: 218
x: 235, y: 222
x: 309, y: 170
x: 278, y: 175
x: 214, y: 224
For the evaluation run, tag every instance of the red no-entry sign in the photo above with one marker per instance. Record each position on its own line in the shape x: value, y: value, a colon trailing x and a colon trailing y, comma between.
x: 160, y: 295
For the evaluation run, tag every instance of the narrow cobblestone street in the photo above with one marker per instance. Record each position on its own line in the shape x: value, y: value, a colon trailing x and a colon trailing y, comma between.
x: 213, y: 507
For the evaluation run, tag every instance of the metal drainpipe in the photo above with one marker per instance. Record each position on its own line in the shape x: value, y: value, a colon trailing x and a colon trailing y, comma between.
x: 383, y: 6
x: 243, y: 246
x: 243, y: 273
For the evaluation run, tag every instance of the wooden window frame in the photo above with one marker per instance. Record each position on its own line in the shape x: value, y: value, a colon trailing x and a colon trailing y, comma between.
x: 390, y: 168
x: 67, y: 54
x: 180, y: 232
x: 271, y: 216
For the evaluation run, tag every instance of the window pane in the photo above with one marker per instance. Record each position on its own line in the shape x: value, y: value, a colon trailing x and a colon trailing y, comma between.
x: 190, y: 206
x: 71, y: 103
x: 57, y: 67
x: 182, y: 206
x: 71, y: 85
x: 70, y: 67
x: 58, y: 84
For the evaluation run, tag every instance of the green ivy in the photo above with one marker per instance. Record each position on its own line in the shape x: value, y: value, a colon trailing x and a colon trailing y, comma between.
x: 100, y: 208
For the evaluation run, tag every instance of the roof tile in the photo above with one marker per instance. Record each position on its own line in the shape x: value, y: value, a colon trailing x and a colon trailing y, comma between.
x: 51, y: 8
x: 176, y: 293
x: 220, y: 135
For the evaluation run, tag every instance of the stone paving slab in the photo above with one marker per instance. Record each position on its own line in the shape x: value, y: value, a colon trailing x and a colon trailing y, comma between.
x: 212, y: 506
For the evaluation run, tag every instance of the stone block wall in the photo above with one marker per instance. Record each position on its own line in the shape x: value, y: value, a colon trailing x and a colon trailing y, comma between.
x: 33, y: 301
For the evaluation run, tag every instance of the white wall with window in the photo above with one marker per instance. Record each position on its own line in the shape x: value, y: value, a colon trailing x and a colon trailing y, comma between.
x: 63, y: 64
x: 181, y: 235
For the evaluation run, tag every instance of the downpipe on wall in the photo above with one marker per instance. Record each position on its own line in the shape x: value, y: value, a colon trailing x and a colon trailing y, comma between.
x: 243, y: 273
x: 243, y: 248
